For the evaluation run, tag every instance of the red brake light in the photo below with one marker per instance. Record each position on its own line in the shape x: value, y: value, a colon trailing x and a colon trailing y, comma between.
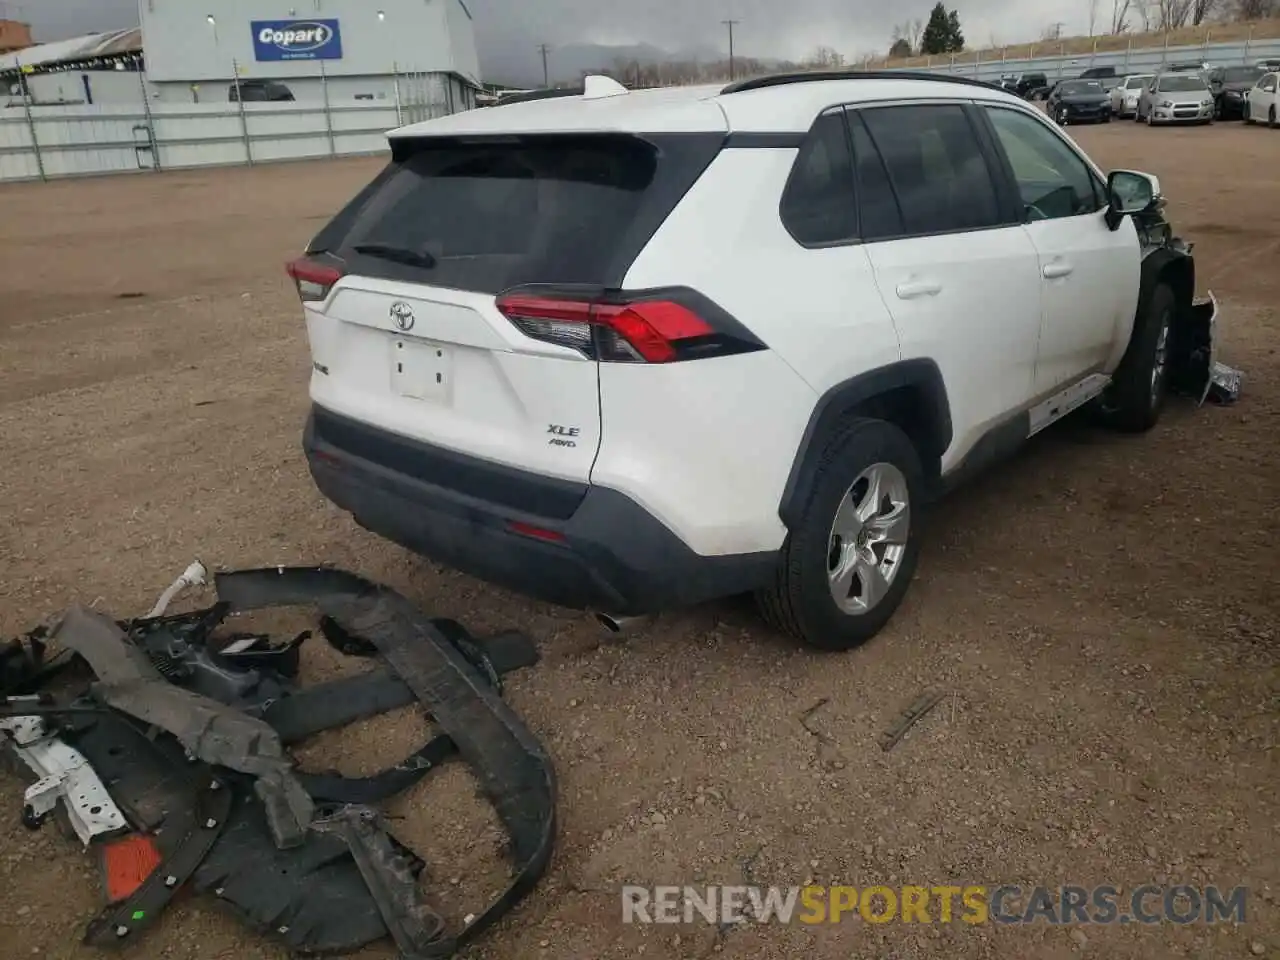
x: 646, y: 331
x: 314, y: 280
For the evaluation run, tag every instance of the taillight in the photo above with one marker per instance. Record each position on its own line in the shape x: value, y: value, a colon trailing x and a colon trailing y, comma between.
x: 622, y: 329
x: 314, y: 280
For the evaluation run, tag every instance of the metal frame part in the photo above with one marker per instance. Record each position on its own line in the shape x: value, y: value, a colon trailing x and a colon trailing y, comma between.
x: 64, y: 774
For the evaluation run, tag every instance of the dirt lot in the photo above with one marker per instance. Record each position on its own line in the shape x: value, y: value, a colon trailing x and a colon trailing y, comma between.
x: 1104, y: 609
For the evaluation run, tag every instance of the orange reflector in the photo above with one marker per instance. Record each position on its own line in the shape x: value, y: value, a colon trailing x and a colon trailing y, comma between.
x: 127, y: 862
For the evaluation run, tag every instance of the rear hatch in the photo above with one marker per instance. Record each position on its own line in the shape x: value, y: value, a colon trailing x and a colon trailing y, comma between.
x: 404, y: 322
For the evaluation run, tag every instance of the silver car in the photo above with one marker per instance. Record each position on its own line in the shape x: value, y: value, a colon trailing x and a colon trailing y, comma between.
x: 1124, y: 96
x: 1176, y: 98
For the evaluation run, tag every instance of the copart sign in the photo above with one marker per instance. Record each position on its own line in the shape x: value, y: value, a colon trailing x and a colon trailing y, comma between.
x: 275, y: 40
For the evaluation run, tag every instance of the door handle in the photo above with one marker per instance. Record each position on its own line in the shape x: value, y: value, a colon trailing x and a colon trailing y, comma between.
x: 917, y: 288
x: 1057, y: 269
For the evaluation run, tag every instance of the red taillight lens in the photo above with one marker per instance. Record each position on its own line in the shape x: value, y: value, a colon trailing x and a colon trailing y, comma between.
x: 314, y: 280
x: 645, y: 331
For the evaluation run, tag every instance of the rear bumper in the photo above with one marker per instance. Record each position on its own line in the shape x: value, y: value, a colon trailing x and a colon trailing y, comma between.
x: 585, y: 547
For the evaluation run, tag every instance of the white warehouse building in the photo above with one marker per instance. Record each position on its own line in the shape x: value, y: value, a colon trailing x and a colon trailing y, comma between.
x: 311, y: 49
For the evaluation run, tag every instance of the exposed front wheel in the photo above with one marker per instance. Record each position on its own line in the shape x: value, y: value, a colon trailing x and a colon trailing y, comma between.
x: 1271, y: 118
x: 1136, y: 395
x: 1062, y: 116
x: 848, y: 561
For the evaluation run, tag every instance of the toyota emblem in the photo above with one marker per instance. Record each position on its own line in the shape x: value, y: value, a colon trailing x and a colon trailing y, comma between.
x: 402, y: 314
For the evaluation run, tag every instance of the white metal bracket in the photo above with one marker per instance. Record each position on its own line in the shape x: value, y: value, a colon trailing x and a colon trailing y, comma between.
x: 64, y: 774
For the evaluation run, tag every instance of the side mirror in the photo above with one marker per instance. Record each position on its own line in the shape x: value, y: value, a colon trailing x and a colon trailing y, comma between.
x: 1129, y: 192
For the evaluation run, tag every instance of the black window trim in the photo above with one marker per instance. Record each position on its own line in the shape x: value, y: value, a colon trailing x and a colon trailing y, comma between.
x: 1096, y: 179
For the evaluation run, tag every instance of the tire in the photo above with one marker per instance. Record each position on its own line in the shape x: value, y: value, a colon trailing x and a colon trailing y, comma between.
x: 802, y: 600
x: 1271, y: 117
x: 1062, y: 116
x: 1244, y: 114
x: 1134, y: 399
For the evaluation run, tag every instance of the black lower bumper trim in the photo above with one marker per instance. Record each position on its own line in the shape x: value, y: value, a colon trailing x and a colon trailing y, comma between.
x: 610, y: 554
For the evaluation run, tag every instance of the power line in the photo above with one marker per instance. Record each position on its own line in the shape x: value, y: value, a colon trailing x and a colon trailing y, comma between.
x: 731, y: 24
x: 546, y: 74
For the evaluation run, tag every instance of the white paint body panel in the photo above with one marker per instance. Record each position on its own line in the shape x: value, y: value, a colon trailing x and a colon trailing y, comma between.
x: 1088, y: 294
x: 980, y: 327
x: 707, y: 446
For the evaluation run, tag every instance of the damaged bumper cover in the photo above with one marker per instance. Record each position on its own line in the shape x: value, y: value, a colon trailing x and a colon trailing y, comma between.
x: 512, y: 766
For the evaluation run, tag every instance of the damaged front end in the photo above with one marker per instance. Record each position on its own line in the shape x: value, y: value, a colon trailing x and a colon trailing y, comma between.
x: 1194, y: 368
x: 183, y: 741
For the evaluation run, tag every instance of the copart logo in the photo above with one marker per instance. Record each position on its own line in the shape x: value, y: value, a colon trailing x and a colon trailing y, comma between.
x: 297, y: 37
x: 402, y: 315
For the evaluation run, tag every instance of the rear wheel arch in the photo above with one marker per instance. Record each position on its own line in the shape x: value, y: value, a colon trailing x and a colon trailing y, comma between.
x: 910, y: 394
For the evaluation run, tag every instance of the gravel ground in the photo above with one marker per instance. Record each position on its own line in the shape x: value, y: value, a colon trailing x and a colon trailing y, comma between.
x: 1101, y: 612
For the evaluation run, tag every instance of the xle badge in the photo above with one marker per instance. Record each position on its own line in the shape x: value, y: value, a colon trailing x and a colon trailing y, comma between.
x: 562, y: 436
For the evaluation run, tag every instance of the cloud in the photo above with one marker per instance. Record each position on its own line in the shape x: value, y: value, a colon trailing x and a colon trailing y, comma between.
x: 508, y: 31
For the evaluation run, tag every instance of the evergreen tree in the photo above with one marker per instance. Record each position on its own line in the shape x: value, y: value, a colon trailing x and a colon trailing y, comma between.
x: 955, y: 37
x: 937, y: 32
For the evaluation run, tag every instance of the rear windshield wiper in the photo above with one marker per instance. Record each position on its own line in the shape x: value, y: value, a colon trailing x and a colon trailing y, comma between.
x: 411, y: 258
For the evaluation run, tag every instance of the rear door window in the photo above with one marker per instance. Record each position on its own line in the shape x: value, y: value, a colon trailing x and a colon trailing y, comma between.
x: 487, y: 216
x: 936, y: 166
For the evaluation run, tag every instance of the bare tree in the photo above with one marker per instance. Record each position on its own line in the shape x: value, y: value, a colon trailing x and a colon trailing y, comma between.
x: 1144, y: 9
x: 1172, y: 14
x: 1254, y: 9
x: 1093, y: 17
x: 1119, y: 16
x: 1052, y: 32
x: 911, y: 31
x: 825, y: 58
x: 1200, y: 9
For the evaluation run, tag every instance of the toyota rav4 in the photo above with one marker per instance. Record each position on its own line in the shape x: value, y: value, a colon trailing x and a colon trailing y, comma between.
x: 632, y: 350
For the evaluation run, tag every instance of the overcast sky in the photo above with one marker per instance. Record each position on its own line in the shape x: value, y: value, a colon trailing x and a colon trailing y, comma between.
x: 770, y: 28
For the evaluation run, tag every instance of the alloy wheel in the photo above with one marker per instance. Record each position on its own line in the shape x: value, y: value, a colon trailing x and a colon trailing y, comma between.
x: 868, y: 538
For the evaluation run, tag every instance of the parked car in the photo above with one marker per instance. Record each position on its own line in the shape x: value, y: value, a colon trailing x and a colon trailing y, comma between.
x: 1230, y: 87
x: 1176, y: 98
x: 259, y: 91
x: 1124, y: 96
x: 524, y: 367
x: 1029, y: 83
x: 1262, y: 103
x: 1270, y: 64
x: 1079, y: 101
x: 1098, y: 73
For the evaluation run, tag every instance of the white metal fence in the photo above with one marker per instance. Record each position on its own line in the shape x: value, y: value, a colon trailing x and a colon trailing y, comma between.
x: 43, y: 142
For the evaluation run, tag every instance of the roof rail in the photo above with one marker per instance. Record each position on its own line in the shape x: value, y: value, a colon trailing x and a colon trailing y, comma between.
x: 548, y: 94
x: 802, y: 76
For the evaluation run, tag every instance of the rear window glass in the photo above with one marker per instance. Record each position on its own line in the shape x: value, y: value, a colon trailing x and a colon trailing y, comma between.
x: 486, y: 216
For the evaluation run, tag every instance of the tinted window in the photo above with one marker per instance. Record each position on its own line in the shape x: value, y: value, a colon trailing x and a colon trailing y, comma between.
x: 548, y: 209
x: 1240, y: 74
x: 817, y: 205
x: 1182, y: 84
x: 1052, y: 180
x: 936, y: 167
x: 877, y: 206
x: 1269, y: 83
x: 1075, y: 88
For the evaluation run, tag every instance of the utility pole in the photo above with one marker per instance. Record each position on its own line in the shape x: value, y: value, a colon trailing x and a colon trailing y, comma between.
x: 731, y: 24
x: 546, y: 74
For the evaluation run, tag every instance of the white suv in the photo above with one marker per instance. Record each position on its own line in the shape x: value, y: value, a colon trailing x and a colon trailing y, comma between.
x: 632, y: 350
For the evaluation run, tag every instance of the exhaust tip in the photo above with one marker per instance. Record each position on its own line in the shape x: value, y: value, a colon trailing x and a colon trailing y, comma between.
x: 609, y: 623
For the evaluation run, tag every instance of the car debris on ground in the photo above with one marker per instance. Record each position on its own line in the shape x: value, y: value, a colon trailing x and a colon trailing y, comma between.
x: 163, y: 743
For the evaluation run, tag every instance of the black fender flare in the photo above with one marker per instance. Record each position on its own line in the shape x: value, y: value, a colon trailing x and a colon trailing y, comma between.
x: 921, y: 375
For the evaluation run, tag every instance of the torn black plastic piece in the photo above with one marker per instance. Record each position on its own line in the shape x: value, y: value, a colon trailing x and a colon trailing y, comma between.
x: 511, y: 764
x: 414, y: 926
x: 213, y: 732
x: 122, y: 922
